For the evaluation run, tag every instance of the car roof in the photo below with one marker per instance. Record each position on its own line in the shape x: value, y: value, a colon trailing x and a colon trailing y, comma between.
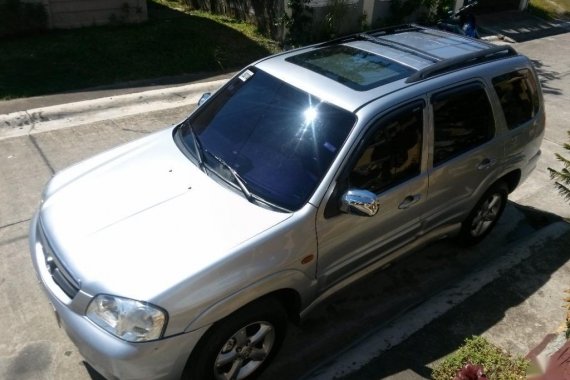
x: 425, y: 52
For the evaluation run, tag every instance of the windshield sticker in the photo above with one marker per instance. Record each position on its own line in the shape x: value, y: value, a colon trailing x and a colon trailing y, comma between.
x: 330, y: 147
x: 246, y: 75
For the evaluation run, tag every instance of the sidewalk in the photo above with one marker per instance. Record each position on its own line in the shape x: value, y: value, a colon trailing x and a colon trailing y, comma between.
x: 52, y: 112
x: 518, y: 26
x: 94, y: 93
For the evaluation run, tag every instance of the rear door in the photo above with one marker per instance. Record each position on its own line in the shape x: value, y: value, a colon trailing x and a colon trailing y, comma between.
x: 519, y: 96
x: 464, y: 155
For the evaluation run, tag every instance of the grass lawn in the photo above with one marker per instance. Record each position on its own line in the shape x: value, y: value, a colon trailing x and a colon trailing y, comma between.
x: 172, y: 42
x: 551, y: 8
x: 477, y: 352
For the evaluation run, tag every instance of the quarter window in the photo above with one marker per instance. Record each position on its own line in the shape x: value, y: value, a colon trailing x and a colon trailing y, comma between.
x: 518, y: 94
x: 463, y: 120
x: 393, y: 152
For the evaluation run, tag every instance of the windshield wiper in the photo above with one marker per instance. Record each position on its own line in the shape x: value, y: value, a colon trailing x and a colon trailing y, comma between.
x: 240, y: 182
x: 197, y: 147
x: 243, y: 187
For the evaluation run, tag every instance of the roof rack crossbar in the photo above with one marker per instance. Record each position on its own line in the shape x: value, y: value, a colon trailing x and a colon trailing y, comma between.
x: 384, y: 31
x: 440, y: 33
x: 399, y: 46
x: 395, y: 29
x: 469, y: 59
x: 369, y: 36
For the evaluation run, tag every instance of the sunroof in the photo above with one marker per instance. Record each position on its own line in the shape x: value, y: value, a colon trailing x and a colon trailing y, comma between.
x: 355, y: 68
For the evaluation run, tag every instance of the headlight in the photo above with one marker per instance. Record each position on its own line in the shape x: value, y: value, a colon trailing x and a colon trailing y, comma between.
x: 131, y: 320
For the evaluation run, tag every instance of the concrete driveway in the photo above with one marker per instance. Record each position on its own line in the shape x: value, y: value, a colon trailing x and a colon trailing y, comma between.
x: 32, y: 347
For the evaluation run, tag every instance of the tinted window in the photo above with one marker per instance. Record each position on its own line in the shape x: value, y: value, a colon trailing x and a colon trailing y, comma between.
x: 393, y: 152
x: 463, y: 119
x: 518, y: 94
x: 355, y: 68
x: 280, y: 140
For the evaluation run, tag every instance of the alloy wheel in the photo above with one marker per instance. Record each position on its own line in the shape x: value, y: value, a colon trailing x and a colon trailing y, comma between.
x: 244, y: 351
x: 486, y: 215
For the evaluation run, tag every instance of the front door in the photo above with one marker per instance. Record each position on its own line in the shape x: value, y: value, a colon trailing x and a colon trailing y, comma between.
x: 389, y: 163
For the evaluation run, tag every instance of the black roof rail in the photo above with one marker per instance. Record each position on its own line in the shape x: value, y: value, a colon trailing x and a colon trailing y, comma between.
x: 447, y: 65
x: 372, y: 36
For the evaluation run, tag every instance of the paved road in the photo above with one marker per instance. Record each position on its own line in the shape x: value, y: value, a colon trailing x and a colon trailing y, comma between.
x: 551, y: 57
x: 32, y: 347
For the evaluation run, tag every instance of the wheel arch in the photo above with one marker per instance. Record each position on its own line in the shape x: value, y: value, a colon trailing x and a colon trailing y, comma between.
x: 291, y: 301
x: 466, y: 236
x: 512, y: 179
x: 290, y: 288
x: 267, y: 306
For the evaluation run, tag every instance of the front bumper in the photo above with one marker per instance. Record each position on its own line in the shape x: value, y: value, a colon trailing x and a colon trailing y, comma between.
x: 110, y: 356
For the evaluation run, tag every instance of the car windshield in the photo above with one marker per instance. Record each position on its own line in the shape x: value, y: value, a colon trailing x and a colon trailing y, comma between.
x: 278, y: 139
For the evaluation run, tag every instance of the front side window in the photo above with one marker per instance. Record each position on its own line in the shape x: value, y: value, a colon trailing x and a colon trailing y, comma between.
x: 518, y: 94
x: 279, y: 140
x: 463, y: 119
x: 393, y: 153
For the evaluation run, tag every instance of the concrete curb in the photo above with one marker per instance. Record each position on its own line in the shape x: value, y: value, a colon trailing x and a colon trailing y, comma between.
x: 50, y: 118
x: 398, y: 330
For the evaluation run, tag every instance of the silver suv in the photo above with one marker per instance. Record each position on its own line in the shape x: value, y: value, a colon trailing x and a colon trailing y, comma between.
x: 183, y: 254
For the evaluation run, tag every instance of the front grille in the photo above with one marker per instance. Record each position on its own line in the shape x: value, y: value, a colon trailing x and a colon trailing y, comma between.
x: 60, y: 275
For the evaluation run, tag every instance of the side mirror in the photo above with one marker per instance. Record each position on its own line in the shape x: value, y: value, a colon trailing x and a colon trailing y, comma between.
x: 359, y: 202
x: 205, y: 96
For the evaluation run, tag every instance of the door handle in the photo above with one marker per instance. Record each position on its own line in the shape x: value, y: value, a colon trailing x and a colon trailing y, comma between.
x: 409, y: 201
x: 487, y: 163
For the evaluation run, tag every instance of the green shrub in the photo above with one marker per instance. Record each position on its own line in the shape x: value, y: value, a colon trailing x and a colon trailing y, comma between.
x: 336, y: 14
x: 567, y: 300
x: 550, y: 9
x: 497, y: 364
x: 562, y: 176
x: 299, y: 23
x: 430, y: 11
x: 18, y: 18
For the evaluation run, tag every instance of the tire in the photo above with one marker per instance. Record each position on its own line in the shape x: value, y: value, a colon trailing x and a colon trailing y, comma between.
x: 248, y: 340
x: 484, y: 215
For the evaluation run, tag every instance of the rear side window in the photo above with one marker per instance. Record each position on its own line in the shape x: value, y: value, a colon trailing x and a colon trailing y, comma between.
x: 463, y: 120
x: 518, y: 94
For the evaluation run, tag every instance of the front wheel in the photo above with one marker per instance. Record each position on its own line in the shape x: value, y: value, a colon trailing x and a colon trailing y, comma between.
x: 241, y: 345
x: 484, y: 215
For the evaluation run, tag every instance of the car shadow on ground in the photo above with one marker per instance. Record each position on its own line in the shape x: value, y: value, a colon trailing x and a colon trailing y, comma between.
x: 92, y: 372
x: 368, y: 305
x: 547, y: 76
x: 473, y: 317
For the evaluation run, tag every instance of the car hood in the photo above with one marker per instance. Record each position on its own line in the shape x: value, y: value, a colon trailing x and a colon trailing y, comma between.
x: 141, y: 218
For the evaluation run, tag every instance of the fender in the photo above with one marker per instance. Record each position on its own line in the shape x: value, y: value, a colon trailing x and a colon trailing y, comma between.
x: 291, y: 279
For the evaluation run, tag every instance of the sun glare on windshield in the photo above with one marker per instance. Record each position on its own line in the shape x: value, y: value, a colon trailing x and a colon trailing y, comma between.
x: 310, y: 115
